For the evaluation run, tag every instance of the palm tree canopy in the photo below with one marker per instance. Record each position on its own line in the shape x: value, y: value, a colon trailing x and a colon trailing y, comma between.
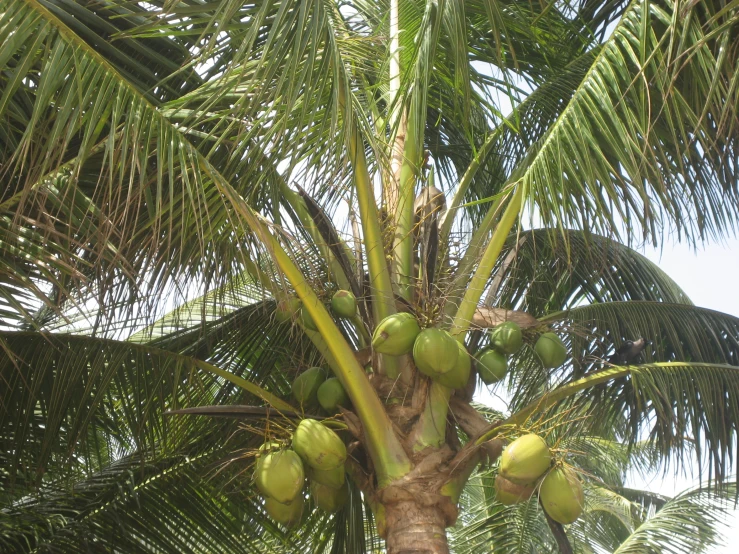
x: 172, y: 173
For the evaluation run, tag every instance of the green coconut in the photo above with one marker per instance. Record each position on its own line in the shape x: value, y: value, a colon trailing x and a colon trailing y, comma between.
x: 525, y: 460
x: 344, y: 304
x: 509, y: 493
x: 551, y: 350
x: 306, y: 385
x: 288, y: 515
x: 435, y: 352
x: 328, y: 499
x: 396, y: 334
x: 333, y: 478
x: 507, y: 338
x: 318, y: 445
x: 265, y: 449
x: 457, y: 378
x: 331, y: 395
x: 492, y: 366
x: 307, y: 319
x: 287, y: 309
x: 561, y: 495
x: 280, y: 475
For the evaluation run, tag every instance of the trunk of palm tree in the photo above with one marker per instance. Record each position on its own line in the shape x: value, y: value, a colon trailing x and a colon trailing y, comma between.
x: 415, y: 529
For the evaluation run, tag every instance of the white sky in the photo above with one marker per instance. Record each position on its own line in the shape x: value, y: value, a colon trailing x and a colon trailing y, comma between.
x: 708, y: 276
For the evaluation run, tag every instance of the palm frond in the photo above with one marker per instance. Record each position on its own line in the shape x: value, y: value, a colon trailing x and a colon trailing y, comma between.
x: 690, y: 522
x: 98, y: 171
x: 200, y: 502
x: 675, y: 332
x: 73, y: 404
x: 548, y: 276
x: 650, y: 138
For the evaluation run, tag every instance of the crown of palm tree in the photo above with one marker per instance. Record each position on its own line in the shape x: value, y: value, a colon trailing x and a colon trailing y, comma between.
x: 172, y: 173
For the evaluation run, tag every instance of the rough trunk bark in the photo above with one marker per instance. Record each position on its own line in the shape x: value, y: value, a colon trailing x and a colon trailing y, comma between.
x: 415, y: 529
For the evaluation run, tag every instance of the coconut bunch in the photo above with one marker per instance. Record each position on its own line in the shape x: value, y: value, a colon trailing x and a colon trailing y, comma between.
x: 439, y: 356
x: 436, y: 353
x: 507, y: 339
x: 317, y: 453
x: 526, y: 465
x: 314, y: 387
x: 343, y: 304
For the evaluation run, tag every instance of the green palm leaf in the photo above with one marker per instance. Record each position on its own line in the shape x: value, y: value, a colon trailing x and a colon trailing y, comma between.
x: 75, y: 403
x: 590, y: 171
x: 676, y: 332
x: 687, y: 523
x: 547, y: 276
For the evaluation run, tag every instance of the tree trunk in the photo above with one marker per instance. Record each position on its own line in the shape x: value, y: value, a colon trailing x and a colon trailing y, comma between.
x: 415, y: 529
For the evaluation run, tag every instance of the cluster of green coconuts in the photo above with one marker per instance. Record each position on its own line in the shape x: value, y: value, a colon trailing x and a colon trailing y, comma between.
x: 435, y: 352
x: 317, y: 453
x: 438, y: 355
x: 507, y: 339
x: 525, y: 466
x: 343, y: 304
x: 313, y: 386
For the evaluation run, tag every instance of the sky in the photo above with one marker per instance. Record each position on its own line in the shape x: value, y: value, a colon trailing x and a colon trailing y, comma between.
x: 708, y: 276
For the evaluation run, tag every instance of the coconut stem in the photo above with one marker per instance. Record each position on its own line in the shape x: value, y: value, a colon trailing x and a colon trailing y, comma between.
x: 430, y: 430
x: 298, y: 205
x: 547, y: 400
x: 474, y: 291
x: 413, y: 150
x: 465, y: 182
x: 471, y: 255
x: 558, y: 531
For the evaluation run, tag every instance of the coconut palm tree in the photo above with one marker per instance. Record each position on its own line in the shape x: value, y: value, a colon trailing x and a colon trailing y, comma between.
x: 179, y: 177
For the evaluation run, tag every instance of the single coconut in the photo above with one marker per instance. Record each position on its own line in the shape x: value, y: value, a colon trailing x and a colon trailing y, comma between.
x: 525, y: 460
x: 344, y: 304
x: 492, y: 366
x: 509, y: 493
x: 328, y: 499
x: 288, y: 515
x: 333, y: 478
x: 551, y: 350
x: 561, y: 495
x: 507, y: 338
x: 457, y: 378
x: 396, y: 334
x: 280, y: 475
x: 331, y: 395
x: 265, y: 449
x: 435, y: 352
x: 287, y: 309
x: 307, y: 319
x: 318, y: 445
x: 306, y: 385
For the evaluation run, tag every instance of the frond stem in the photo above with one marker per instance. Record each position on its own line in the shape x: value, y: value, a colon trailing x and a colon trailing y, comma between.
x: 476, y: 287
